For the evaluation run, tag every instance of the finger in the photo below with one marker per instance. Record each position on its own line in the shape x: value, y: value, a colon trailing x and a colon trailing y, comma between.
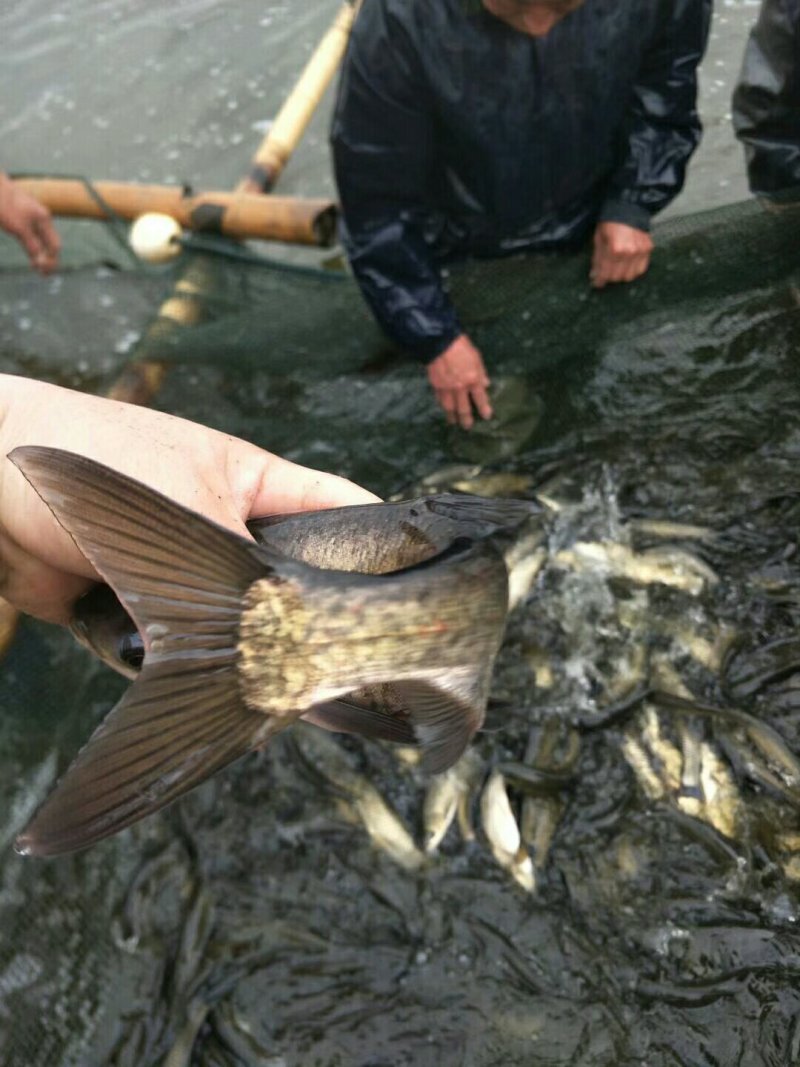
x: 604, y: 262
x: 598, y: 275
x: 281, y: 487
x: 643, y: 262
x: 446, y: 400
x: 480, y: 398
x: 464, y: 409
x: 617, y: 271
x: 635, y: 268
x: 39, y: 588
x: 49, y: 240
x: 29, y: 240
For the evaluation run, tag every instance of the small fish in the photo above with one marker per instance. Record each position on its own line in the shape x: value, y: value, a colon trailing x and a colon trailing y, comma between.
x: 239, y: 639
x: 502, y: 832
x: 359, y: 797
x: 723, y: 806
x: 666, y: 529
x: 655, y: 566
x: 446, y: 796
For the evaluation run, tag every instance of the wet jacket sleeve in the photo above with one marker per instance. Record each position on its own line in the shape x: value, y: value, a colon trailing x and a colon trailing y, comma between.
x: 383, y: 141
x: 766, y: 103
x: 663, y: 127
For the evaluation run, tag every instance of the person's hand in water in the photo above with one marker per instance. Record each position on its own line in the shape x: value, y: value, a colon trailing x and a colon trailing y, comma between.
x: 459, y: 379
x: 30, y: 222
x: 223, y: 478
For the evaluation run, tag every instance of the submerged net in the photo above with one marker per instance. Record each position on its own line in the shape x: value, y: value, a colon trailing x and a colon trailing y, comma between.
x: 257, y: 922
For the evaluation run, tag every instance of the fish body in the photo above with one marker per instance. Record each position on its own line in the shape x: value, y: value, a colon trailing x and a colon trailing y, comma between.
x: 446, y: 797
x: 239, y: 639
x: 380, y: 538
x: 503, y: 834
x: 366, y: 539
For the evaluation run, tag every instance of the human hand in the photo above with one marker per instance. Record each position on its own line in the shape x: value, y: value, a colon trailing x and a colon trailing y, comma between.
x: 221, y: 477
x: 29, y: 221
x: 621, y: 253
x: 459, y: 379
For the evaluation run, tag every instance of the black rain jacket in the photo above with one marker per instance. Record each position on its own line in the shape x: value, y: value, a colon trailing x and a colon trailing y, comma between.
x: 456, y: 135
x: 766, y: 103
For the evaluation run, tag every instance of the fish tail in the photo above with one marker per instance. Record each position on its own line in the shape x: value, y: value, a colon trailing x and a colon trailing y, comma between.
x: 181, y: 578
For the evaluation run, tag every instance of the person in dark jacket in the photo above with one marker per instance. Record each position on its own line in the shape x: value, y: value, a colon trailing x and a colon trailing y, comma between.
x: 766, y: 102
x: 488, y: 127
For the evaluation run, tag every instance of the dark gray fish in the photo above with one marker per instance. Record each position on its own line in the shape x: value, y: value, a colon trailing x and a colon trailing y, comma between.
x: 380, y: 538
x: 239, y: 639
x: 366, y: 539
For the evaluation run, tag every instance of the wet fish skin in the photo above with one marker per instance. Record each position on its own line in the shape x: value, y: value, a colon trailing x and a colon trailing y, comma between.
x: 666, y: 566
x: 380, y: 538
x: 240, y: 640
x: 367, y: 539
x: 328, y: 760
x: 536, y: 781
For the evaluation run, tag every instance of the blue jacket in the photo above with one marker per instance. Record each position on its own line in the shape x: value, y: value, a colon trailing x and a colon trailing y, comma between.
x: 455, y: 135
x: 766, y: 103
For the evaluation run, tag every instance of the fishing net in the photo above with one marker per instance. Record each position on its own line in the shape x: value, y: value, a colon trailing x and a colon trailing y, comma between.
x: 257, y: 921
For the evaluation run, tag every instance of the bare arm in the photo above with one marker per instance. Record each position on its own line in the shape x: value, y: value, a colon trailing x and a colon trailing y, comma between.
x: 30, y: 222
x: 224, y: 478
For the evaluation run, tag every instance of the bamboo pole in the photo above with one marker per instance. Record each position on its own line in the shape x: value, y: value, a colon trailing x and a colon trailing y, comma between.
x: 291, y: 121
x: 143, y: 377
x: 141, y: 380
x: 238, y: 215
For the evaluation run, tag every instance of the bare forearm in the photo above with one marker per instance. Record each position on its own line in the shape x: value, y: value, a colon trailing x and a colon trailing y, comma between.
x: 223, y: 478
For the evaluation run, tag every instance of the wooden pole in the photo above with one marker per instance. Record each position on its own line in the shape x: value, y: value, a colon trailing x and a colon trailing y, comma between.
x: 291, y: 121
x: 238, y: 215
x: 142, y: 378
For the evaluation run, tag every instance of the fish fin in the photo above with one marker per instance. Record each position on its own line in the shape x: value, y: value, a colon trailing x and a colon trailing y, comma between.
x: 478, y: 516
x: 440, y: 715
x: 497, y: 715
x: 496, y: 511
x: 445, y: 714
x: 180, y: 576
x: 487, y: 514
x: 175, y: 727
x: 348, y: 716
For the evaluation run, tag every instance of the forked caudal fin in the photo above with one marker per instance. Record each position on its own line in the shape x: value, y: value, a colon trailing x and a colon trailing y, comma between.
x: 182, y: 579
x: 431, y: 631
